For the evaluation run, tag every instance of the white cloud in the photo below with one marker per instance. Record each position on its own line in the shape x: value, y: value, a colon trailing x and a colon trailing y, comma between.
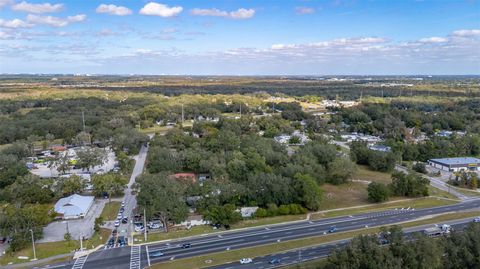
x: 5, y: 2
x: 113, y: 10
x: 156, y: 9
x: 37, y: 8
x: 240, y: 13
x: 304, y: 10
x: 467, y: 33
x: 55, y: 21
x: 15, y: 23
x: 433, y: 39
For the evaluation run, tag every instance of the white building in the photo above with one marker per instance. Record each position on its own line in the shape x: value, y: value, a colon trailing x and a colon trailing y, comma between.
x: 247, y: 212
x: 74, y: 206
x: 456, y: 164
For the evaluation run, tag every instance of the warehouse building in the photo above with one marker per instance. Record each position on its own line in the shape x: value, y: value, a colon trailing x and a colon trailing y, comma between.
x: 456, y: 164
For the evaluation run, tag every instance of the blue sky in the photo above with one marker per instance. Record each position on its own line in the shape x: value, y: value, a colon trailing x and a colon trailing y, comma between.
x: 285, y: 37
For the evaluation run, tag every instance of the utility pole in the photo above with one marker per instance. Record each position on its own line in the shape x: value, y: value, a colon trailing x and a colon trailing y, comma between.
x: 183, y: 115
x: 83, y: 120
x: 33, y: 246
x: 81, y: 242
x: 145, y: 224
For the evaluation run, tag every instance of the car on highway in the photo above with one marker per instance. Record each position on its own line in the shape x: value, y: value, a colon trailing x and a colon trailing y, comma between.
x: 186, y: 245
x: 122, y: 210
x: 123, y: 204
x: 156, y: 254
x: 476, y: 220
x: 125, y: 220
x: 111, y: 242
x: 114, y: 232
x: 245, y: 260
x: 332, y: 229
x: 274, y: 261
x: 117, y: 223
x: 119, y: 216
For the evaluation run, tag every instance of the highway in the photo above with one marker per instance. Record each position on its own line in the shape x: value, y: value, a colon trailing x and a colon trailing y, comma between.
x: 319, y: 251
x: 139, y: 257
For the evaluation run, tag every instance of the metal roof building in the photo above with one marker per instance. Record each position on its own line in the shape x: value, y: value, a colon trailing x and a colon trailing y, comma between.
x: 74, y: 206
x: 456, y: 164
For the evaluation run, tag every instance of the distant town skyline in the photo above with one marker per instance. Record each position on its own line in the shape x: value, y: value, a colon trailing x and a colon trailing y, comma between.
x: 331, y: 37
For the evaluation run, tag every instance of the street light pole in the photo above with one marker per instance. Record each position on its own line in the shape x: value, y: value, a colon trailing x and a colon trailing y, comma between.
x: 145, y: 224
x: 33, y: 246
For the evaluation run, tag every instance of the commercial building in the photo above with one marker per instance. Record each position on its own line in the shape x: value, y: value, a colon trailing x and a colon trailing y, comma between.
x: 456, y: 164
x: 74, y: 206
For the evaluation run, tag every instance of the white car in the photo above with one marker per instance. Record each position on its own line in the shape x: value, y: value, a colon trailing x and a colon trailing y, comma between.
x: 119, y: 216
x: 117, y: 223
x: 154, y: 226
x: 139, y: 228
x: 245, y: 260
x: 477, y: 219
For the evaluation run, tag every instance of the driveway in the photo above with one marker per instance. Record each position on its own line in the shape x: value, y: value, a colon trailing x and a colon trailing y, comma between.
x: 55, y: 231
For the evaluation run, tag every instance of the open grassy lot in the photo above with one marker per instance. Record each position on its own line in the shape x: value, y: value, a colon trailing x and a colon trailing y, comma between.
x: 345, y: 195
x: 235, y: 255
x: 414, y: 203
x: 45, y: 250
x: 110, y: 210
x: 364, y: 173
x: 205, y: 229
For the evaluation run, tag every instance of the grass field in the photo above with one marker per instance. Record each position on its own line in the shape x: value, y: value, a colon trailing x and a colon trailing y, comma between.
x: 45, y: 250
x: 364, y: 173
x: 110, y: 211
x: 413, y: 203
x: 234, y: 255
x: 345, y: 195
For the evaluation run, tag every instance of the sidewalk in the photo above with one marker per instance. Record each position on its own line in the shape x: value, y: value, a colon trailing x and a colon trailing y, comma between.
x: 38, y: 262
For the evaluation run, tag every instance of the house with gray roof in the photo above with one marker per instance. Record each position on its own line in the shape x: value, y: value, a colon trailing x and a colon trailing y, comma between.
x: 74, y: 206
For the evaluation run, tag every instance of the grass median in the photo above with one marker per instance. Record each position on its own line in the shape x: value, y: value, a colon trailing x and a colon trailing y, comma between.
x: 412, y: 203
x: 235, y: 255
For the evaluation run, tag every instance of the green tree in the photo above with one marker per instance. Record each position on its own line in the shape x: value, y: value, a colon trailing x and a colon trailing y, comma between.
x: 70, y: 185
x: 340, y: 170
x: 91, y: 157
x: 378, y: 192
x: 162, y: 197
x: 225, y: 215
x: 110, y: 183
x: 309, y: 190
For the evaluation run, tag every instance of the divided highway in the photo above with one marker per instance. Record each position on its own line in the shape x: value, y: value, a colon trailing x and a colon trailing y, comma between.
x: 125, y: 257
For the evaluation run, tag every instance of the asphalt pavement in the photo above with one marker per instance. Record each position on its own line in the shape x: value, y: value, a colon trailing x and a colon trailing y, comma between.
x: 210, y: 243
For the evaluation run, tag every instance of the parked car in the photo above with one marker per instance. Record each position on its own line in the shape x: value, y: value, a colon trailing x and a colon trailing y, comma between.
x: 154, y: 226
x: 2, y: 240
x: 245, y: 260
x: 274, y: 261
x: 186, y: 245
x: 156, y: 254
x: 477, y: 219
x: 139, y: 228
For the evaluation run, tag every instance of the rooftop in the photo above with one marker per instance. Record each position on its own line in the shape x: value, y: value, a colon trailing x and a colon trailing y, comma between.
x: 457, y: 160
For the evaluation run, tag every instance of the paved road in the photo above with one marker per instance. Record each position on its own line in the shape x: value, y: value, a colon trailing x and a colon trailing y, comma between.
x: 439, y: 184
x: 319, y: 251
x: 123, y: 256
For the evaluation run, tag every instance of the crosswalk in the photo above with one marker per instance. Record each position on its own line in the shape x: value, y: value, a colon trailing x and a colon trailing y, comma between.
x: 135, y: 257
x: 114, y: 246
x: 80, y: 262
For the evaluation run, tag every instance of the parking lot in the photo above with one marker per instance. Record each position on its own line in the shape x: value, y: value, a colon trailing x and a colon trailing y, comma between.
x: 55, y: 231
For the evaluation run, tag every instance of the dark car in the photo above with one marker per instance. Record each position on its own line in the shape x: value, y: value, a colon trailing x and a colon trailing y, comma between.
x: 121, y: 241
x: 111, y: 242
x: 122, y: 210
x: 156, y: 254
x: 125, y: 220
x: 2, y: 240
x: 114, y: 232
x: 274, y: 261
x: 186, y: 245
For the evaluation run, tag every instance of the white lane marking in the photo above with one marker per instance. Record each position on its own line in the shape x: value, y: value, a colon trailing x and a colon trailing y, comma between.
x: 80, y: 262
x: 148, y: 255
x: 135, y: 257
